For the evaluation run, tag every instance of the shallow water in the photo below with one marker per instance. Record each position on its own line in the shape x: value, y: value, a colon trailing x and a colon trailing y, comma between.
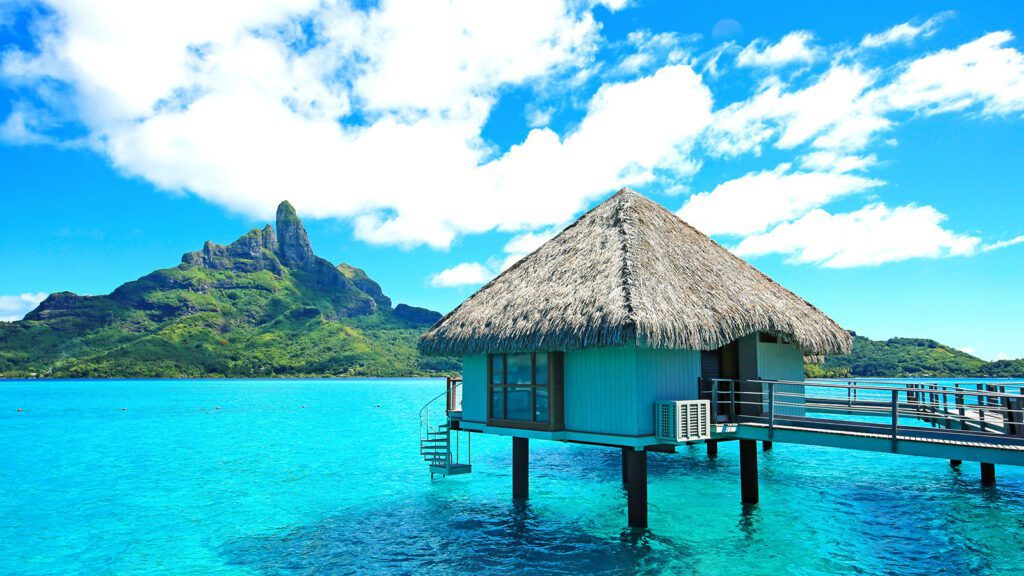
x: 263, y: 485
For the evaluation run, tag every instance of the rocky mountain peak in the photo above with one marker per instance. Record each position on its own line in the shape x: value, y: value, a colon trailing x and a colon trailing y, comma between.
x: 293, y: 243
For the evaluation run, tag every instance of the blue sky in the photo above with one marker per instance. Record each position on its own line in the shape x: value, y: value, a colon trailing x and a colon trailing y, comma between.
x: 866, y: 156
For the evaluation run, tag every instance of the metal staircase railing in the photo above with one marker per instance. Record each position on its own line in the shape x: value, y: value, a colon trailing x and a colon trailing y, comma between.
x: 440, y: 444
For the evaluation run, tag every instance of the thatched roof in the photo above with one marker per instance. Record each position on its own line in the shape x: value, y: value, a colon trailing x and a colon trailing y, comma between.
x: 629, y: 272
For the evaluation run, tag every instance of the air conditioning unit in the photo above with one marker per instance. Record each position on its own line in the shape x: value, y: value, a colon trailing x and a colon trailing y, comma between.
x: 682, y: 420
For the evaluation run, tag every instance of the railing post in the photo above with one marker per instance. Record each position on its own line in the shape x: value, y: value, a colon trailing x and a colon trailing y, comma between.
x: 771, y: 409
x: 732, y: 401
x: 895, y: 416
x: 945, y: 408
x: 961, y: 411
x: 714, y: 401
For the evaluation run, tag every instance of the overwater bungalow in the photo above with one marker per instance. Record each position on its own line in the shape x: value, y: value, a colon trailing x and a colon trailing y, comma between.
x: 631, y: 329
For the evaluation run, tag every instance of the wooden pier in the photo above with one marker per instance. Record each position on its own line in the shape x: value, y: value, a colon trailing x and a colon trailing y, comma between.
x: 956, y: 422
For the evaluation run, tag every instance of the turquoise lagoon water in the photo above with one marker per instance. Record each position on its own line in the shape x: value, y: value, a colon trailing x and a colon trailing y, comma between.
x: 264, y: 486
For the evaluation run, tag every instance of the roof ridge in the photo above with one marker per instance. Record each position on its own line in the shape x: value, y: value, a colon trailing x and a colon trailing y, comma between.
x: 622, y: 213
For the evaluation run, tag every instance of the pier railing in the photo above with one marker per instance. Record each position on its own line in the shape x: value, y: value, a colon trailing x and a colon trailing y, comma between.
x: 957, y: 411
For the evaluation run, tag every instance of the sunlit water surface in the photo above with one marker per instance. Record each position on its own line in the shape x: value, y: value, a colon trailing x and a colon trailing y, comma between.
x: 324, y: 477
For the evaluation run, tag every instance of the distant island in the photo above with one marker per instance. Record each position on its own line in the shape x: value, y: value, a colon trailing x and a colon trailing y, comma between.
x: 911, y: 358
x: 267, y: 306
x: 262, y: 306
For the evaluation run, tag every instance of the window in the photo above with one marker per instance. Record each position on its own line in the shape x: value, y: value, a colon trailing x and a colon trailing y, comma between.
x: 525, y: 390
x: 768, y: 338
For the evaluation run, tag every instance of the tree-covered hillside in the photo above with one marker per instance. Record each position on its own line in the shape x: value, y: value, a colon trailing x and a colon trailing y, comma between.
x: 913, y: 358
x: 263, y: 306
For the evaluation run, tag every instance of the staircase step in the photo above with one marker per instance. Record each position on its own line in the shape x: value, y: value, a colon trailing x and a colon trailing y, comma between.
x: 440, y: 440
x: 451, y: 469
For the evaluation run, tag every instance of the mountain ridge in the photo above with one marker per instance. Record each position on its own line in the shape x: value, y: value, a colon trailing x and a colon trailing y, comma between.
x: 264, y: 305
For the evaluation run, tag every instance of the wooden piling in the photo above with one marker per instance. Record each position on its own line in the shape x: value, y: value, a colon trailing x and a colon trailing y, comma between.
x: 636, y: 490
x: 520, y: 468
x: 988, y: 474
x: 766, y: 446
x: 712, y: 448
x: 748, y: 471
x: 955, y: 463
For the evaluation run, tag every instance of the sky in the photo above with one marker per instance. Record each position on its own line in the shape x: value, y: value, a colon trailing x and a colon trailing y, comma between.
x: 867, y: 156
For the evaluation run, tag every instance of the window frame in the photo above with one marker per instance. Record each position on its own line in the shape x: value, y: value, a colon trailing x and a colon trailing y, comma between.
x: 554, y: 387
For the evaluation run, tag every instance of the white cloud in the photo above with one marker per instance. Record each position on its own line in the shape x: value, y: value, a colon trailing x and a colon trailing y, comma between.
x: 830, y: 161
x: 439, y: 55
x: 652, y: 49
x: 832, y: 112
x: 904, y: 33
x: 1003, y: 244
x: 21, y: 127
x: 984, y: 73
x: 870, y: 236
x: 15, y: 307
x: 635, y: 62
x: 794, y: 48
x: 464, y: 274
x: 539, y: 117
x: 223, y: 106
x: 846, y: 107
x: 377, y: 115
x: 752, y: 203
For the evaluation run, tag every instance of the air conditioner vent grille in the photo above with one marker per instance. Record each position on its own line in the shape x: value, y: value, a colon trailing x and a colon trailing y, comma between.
x: 683, y: 420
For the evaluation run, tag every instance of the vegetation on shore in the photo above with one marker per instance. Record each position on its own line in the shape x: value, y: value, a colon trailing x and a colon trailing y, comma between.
x: 910, y: 358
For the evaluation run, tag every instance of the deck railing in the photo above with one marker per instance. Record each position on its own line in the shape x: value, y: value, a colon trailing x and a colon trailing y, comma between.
x: 958, y: 410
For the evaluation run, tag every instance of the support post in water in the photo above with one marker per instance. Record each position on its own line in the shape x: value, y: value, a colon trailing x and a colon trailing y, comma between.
x: 988, y: 474
x: 520, y: 468
x: 748, y: 471
x: 955, y: 463
x: 712, y: 448
x: 766, y: 446
x: 636, y: 490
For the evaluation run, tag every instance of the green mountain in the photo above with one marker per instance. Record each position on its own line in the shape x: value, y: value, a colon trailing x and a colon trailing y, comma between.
x: 264, y: 305
x: 911, y: 358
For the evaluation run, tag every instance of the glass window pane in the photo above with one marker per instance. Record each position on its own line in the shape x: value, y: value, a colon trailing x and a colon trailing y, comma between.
x: 541, y: 410
x: 497, y: 363
x: 498, y: 402
x: 518, y: 369
x: 518, y: 403
x: 542, y: 369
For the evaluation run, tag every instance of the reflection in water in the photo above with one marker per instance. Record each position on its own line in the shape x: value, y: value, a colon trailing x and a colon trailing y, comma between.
x: 748, y: 520
x: 457, y: 537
